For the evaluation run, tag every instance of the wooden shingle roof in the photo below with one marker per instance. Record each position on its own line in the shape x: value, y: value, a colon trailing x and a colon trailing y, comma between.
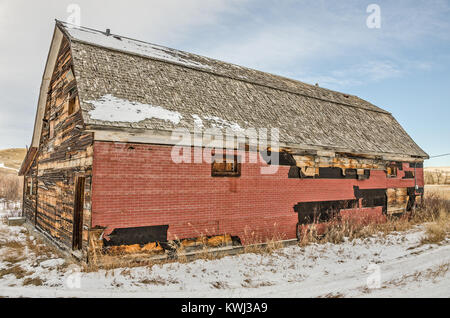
x: 133, y: 85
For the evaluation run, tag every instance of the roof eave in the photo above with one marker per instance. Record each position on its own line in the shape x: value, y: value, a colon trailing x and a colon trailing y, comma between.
x: 46, y: 78
x: 165, y: 137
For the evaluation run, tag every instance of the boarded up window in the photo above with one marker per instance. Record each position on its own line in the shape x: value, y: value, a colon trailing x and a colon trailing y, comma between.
x: 226, y: 167
x: 29, y: 189
x: 78, y: 214
x: 409, y: 175
x: 52, y: 129
x: 392, y: 170
x: 72, y: 105
x: 69, y: 76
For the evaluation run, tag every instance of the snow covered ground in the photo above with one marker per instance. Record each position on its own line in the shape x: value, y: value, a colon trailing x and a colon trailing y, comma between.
x: 393, y: 266
x: 2, y: 166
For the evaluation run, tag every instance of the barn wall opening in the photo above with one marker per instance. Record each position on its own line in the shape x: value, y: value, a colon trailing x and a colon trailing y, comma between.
x: 226, y: 166
x: 78, y: 213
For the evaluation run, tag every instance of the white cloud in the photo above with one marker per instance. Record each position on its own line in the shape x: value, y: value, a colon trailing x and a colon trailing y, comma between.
x: 378, y: 70
x: 315, y: 41
x: 2, y: 11
x: 26, y: 28
x: 320, y: 33
x: 359, y: 74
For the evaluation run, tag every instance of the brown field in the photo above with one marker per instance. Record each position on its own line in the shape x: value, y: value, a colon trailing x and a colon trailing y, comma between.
x: 440, y: 190
x: 10, y: 183
x: 437, y: 175
x: 11, y: 158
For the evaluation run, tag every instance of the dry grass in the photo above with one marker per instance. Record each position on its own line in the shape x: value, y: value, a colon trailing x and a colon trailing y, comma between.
x: 10, y: 187
x: 10, y: 184
x: 41, y: 248
x: 15, y: 254
x: 100, y: 258
x: 333, y: 295
x: 220, y: 285
x: 14, y: 258
x: 178, y: 254
x: 442, y: 191
x: 15, y: 270
x: 438, y: 230
x: 434, y: 213
x: 13, y: 158
x: 11, y: 245
x: 33, y: 282
x: 155, y: 281
x: 429, y: 274
x: 38, y: 246
x: 338, y: 231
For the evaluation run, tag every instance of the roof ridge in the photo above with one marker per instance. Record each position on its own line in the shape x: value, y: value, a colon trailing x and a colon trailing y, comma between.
x: 222, y: 74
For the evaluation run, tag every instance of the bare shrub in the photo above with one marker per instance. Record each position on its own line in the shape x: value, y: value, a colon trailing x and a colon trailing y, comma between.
x: 10, y: 187
x: 431, y: 208
x: 434, y: 212
x: 429, y: 177
x: 436, y: 177
x: 438, y: 230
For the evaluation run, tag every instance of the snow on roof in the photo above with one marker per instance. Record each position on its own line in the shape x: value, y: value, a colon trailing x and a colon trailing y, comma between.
x: 222, y: 123
x: 117, y: 90
x: 128, y: 45
x: 113, y: 109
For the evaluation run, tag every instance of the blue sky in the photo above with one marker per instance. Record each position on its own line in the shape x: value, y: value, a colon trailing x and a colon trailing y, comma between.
x: 402, y: 67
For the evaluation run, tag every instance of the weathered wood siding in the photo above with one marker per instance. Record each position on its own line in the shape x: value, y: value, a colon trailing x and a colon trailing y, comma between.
x: 30, y: 195
x: 65, y: 152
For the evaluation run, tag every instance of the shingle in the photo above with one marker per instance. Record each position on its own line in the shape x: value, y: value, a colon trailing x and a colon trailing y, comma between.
x: 194, y: 86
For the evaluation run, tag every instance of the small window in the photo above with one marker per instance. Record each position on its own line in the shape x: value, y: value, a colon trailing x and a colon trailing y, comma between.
x: 72, y: 105
x: 226, y: 167
x: 409, y: 175
x: 52, y: 129
x: 69, y: 76
x: 29, y: 187
x: 392, y: 170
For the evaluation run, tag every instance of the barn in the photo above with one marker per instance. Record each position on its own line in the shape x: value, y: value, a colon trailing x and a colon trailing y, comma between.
x: 128, y: 149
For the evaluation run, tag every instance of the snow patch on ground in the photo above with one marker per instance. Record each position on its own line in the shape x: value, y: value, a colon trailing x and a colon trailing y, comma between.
x: 51, y: 263
x: 2, y: 166
x: 111, y: 108
x: 405, y: 268
x: 9, y: 209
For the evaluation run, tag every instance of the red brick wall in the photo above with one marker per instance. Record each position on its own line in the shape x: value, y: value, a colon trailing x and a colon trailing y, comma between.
x: 143, y: 187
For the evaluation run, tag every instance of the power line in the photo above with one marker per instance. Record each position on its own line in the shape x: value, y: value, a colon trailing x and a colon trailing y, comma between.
x: 444, y: 155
